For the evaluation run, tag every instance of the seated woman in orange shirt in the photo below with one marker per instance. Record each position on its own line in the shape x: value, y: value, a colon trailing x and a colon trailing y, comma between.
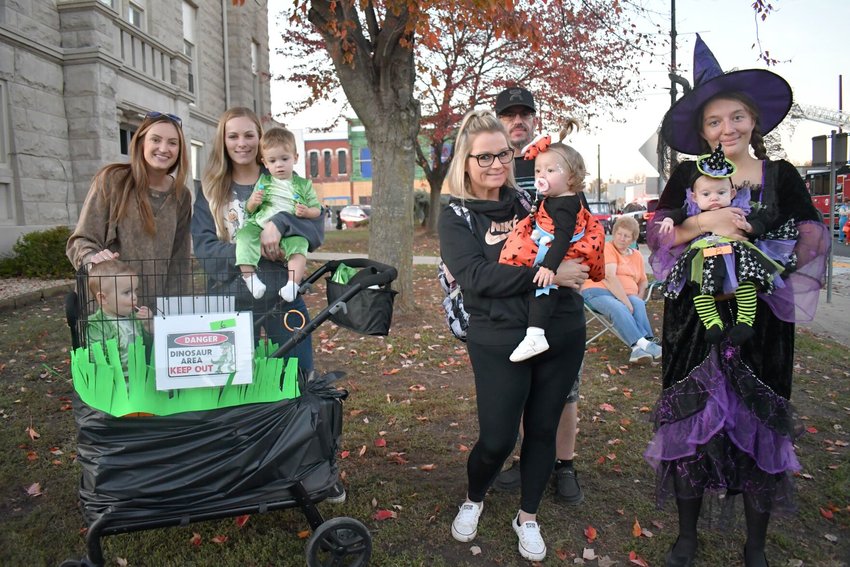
x: 619, y: 297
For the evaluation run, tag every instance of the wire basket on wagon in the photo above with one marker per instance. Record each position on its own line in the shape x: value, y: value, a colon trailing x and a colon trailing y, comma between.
x: 186, y: 411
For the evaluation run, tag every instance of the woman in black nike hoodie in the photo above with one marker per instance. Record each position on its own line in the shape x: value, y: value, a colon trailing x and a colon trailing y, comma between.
x: 484, y: 207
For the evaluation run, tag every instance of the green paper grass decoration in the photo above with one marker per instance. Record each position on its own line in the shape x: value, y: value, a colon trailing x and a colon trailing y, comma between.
x: 99, y: 380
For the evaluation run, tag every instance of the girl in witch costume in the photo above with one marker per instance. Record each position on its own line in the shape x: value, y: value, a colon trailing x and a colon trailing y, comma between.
x: 724, y: 422
x: 559, y: 228
x: 718, y: 265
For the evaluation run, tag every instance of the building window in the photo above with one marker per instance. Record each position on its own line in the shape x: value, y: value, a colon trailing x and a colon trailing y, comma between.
x: 136, y: 14
x: 255, y: 72
x: 125, y: 134
x: 365, y: 163
x: 327, y: 157
x: 110, y: 3
x: 314, y: 165
x: 197, y: 156
x: 342, y: 162
x: 190, y: 15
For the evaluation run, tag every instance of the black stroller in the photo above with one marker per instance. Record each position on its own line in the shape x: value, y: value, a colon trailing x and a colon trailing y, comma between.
x: 143, y: 471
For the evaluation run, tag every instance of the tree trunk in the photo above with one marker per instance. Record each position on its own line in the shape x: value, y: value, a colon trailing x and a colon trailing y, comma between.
x: 434, y: 202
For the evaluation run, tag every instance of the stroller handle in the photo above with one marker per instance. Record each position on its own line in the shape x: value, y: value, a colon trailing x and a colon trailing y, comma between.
x: 383, y: 275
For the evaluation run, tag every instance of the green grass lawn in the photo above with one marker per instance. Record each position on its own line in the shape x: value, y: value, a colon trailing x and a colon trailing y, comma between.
x: 414, y: 390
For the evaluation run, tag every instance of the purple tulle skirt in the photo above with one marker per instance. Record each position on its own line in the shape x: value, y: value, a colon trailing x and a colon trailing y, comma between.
x: 722, y: 430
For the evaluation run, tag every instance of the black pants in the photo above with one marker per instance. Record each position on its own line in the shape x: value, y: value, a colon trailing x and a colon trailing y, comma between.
x: 537, y: 387
x: 540, y: 308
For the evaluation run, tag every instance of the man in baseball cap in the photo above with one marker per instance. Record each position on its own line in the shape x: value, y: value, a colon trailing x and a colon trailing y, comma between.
x: 516, y: 109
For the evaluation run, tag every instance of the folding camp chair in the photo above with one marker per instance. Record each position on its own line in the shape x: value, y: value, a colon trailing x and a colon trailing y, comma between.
x: 592, y: 315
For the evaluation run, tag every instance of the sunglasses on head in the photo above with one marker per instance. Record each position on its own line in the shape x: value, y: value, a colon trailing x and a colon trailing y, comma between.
x: 173, y: 117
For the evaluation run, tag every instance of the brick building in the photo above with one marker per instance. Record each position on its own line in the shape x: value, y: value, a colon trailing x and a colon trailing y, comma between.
x: 77, y: 77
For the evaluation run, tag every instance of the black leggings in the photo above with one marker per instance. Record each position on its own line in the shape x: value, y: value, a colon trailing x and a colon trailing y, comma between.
x: 537, y: 387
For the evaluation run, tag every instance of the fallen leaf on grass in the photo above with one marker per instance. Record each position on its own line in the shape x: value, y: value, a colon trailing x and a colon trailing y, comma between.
x: 826, y: 513
x: 588, y: 554
x: 380, y: 442
x: 219, y: 539
x: 362, y: 450
x: 606, y: 407
x: 344, y: 454
x: 475, y: 550
x: 606, y: 561
x: 242, y: 520
x: 428, y: 467
x: 121, y: 562
x: 636, y: 528
x: 830, y: 537
x: 590, y: 533
x: 195, y: 539
x: 462, y: 448
x: 55, y: 451
x: 637, y: 559
x: 812, y: 429
x: 561, y: 554
x: 644, y: 409
x: 355, y: 412
x: 32, y: 456
x: 34, y: 489
x: 391, y: 372
x: 32, y: 433
x: 417, y: 388
x: 382, y: 515
x: 303, y: 534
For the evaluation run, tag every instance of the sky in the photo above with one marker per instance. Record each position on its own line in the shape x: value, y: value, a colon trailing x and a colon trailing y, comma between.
x: 808, y: 37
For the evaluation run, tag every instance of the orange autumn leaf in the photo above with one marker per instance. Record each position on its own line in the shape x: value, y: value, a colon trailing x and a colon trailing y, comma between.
x: 562, y: 554
x: 812, y: 429
x: 382, y: 515
x: 636, y: 529
x: 242, y: 520
x: 606, y: 407
x: 462, y: 448
x: 637, y: 559
x: 590, y: 534
x: 391, y: 372
x: 344, y: 454
x: 303, y: 534
x: 195, y: 539
x: 417, y: 388
x: 826, y: 513
x: 380, y: 442
x: 32, y: 433
x: 32, y: 456
x: 428, y: 467
x: 219, y: 539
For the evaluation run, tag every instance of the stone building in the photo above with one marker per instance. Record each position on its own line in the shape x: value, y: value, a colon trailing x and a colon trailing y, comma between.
x: 78, y: 76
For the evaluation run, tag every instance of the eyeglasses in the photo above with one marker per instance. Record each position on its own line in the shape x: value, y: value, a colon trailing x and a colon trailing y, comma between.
x: 173, y: 117
x: 486, y: 160
x: 510, y: 115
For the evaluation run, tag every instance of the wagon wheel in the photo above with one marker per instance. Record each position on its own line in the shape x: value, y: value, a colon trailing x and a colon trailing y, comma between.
x: 340, y: 542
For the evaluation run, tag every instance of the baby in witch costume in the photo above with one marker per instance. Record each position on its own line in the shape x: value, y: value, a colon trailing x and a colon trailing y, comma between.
x: 719, y: 265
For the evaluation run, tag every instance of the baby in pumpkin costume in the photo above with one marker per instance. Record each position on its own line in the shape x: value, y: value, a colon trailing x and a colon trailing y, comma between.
x: 559, y: 228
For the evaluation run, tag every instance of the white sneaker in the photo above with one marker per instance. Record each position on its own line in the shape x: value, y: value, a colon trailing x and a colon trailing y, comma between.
x: 289, y: 292
x: 255, y: 286
x: 531, y: 345
x: 654, y: 350
x: 465, y: 524
x: 640, y: 356
x: 531, y: 544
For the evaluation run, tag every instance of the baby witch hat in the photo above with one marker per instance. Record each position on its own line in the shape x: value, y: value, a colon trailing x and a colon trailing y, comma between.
x: 715, y: 164
x: 770, y: 93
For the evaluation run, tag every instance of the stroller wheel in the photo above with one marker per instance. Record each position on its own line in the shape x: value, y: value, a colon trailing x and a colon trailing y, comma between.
x: 340, y: 542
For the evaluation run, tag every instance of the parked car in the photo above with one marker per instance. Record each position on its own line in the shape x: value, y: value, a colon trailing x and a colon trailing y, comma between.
x: 354, y: 215
x: 601, y: 210
x: 641, y: 212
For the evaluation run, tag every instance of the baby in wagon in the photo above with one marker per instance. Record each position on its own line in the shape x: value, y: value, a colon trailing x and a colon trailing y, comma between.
x: 114, y: 284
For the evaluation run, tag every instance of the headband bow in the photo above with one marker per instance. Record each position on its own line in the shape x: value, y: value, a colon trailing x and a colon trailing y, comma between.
x: 538, y: 145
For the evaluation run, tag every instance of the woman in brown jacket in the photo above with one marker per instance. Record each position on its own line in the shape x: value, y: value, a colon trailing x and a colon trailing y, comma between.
x: 141, y: 211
